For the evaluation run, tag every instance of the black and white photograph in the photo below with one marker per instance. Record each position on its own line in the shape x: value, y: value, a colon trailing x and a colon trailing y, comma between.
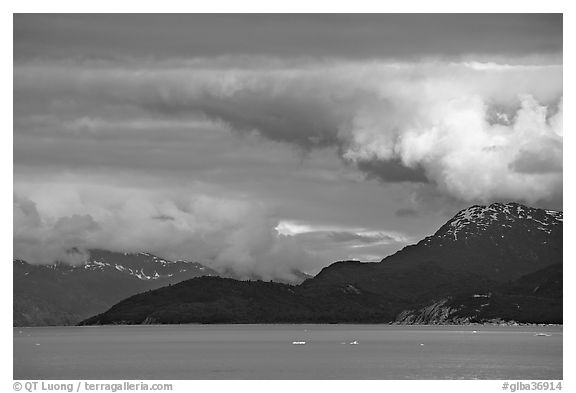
x: 287, y: 196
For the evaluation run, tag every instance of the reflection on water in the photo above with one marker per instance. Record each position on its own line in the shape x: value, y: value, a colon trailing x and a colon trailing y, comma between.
x: 268, y: 352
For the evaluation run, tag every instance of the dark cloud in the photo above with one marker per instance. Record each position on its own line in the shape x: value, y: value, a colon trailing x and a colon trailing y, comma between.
x: 554, y: 202
x: 25, y: 208
x: 38, y: 240
x: 406, y: 213
x: 545, y: 161
x: 76, y: 224
x: 283, y: 118
x: 396, y: 36
x: 163, y: 217
x: 391, y: 171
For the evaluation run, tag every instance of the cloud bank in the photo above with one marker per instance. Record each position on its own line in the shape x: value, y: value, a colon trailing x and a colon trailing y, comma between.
x: 225, y: 233
x: 476, y: 131
x: 465, y: 131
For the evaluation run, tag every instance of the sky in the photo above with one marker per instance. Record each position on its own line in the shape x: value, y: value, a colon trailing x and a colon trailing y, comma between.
x: 266, y: 144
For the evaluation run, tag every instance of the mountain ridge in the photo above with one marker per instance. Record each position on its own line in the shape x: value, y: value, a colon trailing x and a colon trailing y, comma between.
x: 62, y: 294
x: 464, y: 258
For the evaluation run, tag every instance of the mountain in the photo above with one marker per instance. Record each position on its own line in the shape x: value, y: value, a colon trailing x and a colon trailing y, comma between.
x: 225, y: 300
x: 501, y: 262
x: 480, y: 247
x: 533, y: 298
x: 60, y: 294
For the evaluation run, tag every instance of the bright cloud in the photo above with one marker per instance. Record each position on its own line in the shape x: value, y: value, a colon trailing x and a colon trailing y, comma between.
x: 460, y: 126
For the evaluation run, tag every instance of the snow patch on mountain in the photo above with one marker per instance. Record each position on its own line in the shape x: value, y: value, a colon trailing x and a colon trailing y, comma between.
x: 477, y: 219
x: 143, y: 266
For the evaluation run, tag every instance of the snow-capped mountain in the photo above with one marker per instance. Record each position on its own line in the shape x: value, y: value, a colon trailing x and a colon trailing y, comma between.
x: 497, y: 219
x: 501, y: 262
x: 502, y: 241
x: 144, y: 266
x: 61, y: 294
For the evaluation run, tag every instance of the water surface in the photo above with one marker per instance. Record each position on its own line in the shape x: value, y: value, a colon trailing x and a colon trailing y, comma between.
x: 268, y: 352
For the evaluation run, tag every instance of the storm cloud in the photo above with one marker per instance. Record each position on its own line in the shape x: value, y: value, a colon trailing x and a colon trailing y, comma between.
x: 221, y: 232
x: 276, y: 145
x: 412, y: 122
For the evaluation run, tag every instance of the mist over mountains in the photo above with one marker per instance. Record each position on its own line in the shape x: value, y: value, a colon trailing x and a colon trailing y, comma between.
x: 64, y: 294
x: 501, y: 262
